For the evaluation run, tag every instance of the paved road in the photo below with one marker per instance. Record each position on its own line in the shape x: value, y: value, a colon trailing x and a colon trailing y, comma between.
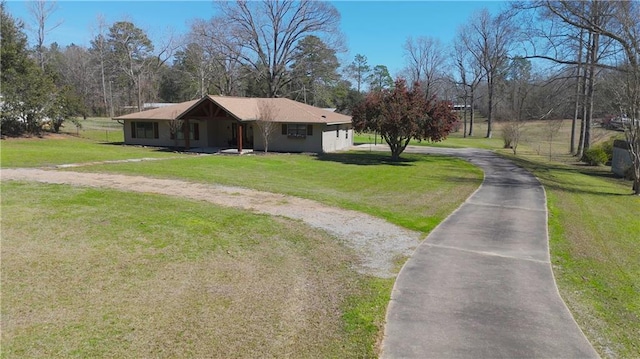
x: 481, y: 285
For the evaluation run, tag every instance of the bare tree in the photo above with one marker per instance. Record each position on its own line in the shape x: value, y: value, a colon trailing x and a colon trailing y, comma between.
x: 175, y: 126
x: 512, y: 132
x: 266, y: 115
x: 131, y: 53
x: 628, y: 37
x: 613, y: 43
x: 41, y: 11
x: 561, y: 34
x: 267, y: 32
x: 99, y: 48
x: 489, y: 40
x: 469, y: 75
x: 76, y: 72
x: 552, y: 127
x: 578, y: 91
x: 220, y: 58
x: 424, y: 57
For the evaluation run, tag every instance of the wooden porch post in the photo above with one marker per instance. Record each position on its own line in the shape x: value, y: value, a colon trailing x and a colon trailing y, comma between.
x: 239, y: 138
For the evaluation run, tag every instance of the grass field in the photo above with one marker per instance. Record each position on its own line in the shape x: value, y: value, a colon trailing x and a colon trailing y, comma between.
x: 186, y: 279
x: 64, y: 149
x: 416, y: 193
x: 593, y: 220
x: 97, y: 129
x: 454, y: 140
x: 190, y: 279
x: 542, y: 138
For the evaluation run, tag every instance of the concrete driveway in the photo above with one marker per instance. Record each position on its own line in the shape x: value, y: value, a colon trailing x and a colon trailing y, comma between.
x: 481, y: 285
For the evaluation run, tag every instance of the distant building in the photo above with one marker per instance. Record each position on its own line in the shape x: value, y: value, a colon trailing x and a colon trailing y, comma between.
x: 152, y: 105
x: 621, y: 160
x: 461, y: 107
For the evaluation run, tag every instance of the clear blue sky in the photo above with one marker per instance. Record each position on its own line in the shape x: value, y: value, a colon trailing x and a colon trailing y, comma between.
x: 376, y: 29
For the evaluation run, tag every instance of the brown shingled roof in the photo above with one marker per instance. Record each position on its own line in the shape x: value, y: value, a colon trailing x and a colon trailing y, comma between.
x: 246, y: 109
x: 162, y: 113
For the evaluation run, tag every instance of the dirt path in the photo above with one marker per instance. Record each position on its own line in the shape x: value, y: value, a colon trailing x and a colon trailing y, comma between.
x: 377, y: 242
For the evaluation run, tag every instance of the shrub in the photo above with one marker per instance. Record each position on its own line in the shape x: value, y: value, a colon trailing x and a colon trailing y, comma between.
x: 511, y: 133
x: 595, y: 156
x: 607, y: 146
x: 507, y: 135
x: 12, y: 127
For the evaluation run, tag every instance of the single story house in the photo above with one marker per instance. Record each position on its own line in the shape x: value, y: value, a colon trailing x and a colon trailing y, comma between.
x: 235, y: 122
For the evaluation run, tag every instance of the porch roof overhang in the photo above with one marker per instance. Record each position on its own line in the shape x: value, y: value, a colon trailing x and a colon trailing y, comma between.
x: 173, y: 112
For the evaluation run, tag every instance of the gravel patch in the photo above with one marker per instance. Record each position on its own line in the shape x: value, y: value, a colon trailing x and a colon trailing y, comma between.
x: 377, y: 242
x: 82, y: 164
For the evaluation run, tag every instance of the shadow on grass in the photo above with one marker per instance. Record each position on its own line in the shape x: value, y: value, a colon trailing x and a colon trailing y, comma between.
x: 365, y: 159
x: 152, y: 148
x: 551, y: 177
x: 111, y: 143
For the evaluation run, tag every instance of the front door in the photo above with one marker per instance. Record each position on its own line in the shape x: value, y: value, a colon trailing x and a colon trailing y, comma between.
x: 247, y: 135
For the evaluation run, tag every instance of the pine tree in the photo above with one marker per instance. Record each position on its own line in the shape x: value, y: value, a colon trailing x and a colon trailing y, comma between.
x: 27, y: 94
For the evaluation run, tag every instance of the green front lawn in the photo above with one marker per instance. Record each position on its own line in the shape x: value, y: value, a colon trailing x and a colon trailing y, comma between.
x: 594, y: 222
x: 63, y: 149
x: 416, y: 193
x: 100, y: 273
x: 192, y: 279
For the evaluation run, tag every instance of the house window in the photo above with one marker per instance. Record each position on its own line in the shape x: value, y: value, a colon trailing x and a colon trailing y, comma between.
x: 144, y: 130
x: 346, y: 133
x: 297, y: 130
x: 194, y: 132
x: 337, y: 131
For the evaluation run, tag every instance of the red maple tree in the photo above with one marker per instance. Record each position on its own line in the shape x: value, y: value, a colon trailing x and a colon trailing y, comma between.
x: 402, y: 114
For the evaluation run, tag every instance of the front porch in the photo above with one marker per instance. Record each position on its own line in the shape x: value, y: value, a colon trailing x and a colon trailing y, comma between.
x: 219, y: 130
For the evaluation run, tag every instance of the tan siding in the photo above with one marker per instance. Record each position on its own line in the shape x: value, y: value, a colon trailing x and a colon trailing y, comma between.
x: 164, y: 136
x: 342, y: 140
x: 282, y: 143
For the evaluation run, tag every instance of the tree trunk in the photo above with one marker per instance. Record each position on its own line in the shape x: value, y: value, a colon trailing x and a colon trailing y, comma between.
x: 585, y: 101
x: 396, y: 147
x: 572, y: 147
x: 395, y: 154
x: 472, y: 100
x: 574, y: 120
x: 633, y: 140
x: 490, y: 115
x: 464, y: 117
x: 104, y: 86
x: 590, y: 92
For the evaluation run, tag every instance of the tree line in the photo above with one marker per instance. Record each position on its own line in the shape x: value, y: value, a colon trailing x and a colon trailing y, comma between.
x: 534, y: 60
